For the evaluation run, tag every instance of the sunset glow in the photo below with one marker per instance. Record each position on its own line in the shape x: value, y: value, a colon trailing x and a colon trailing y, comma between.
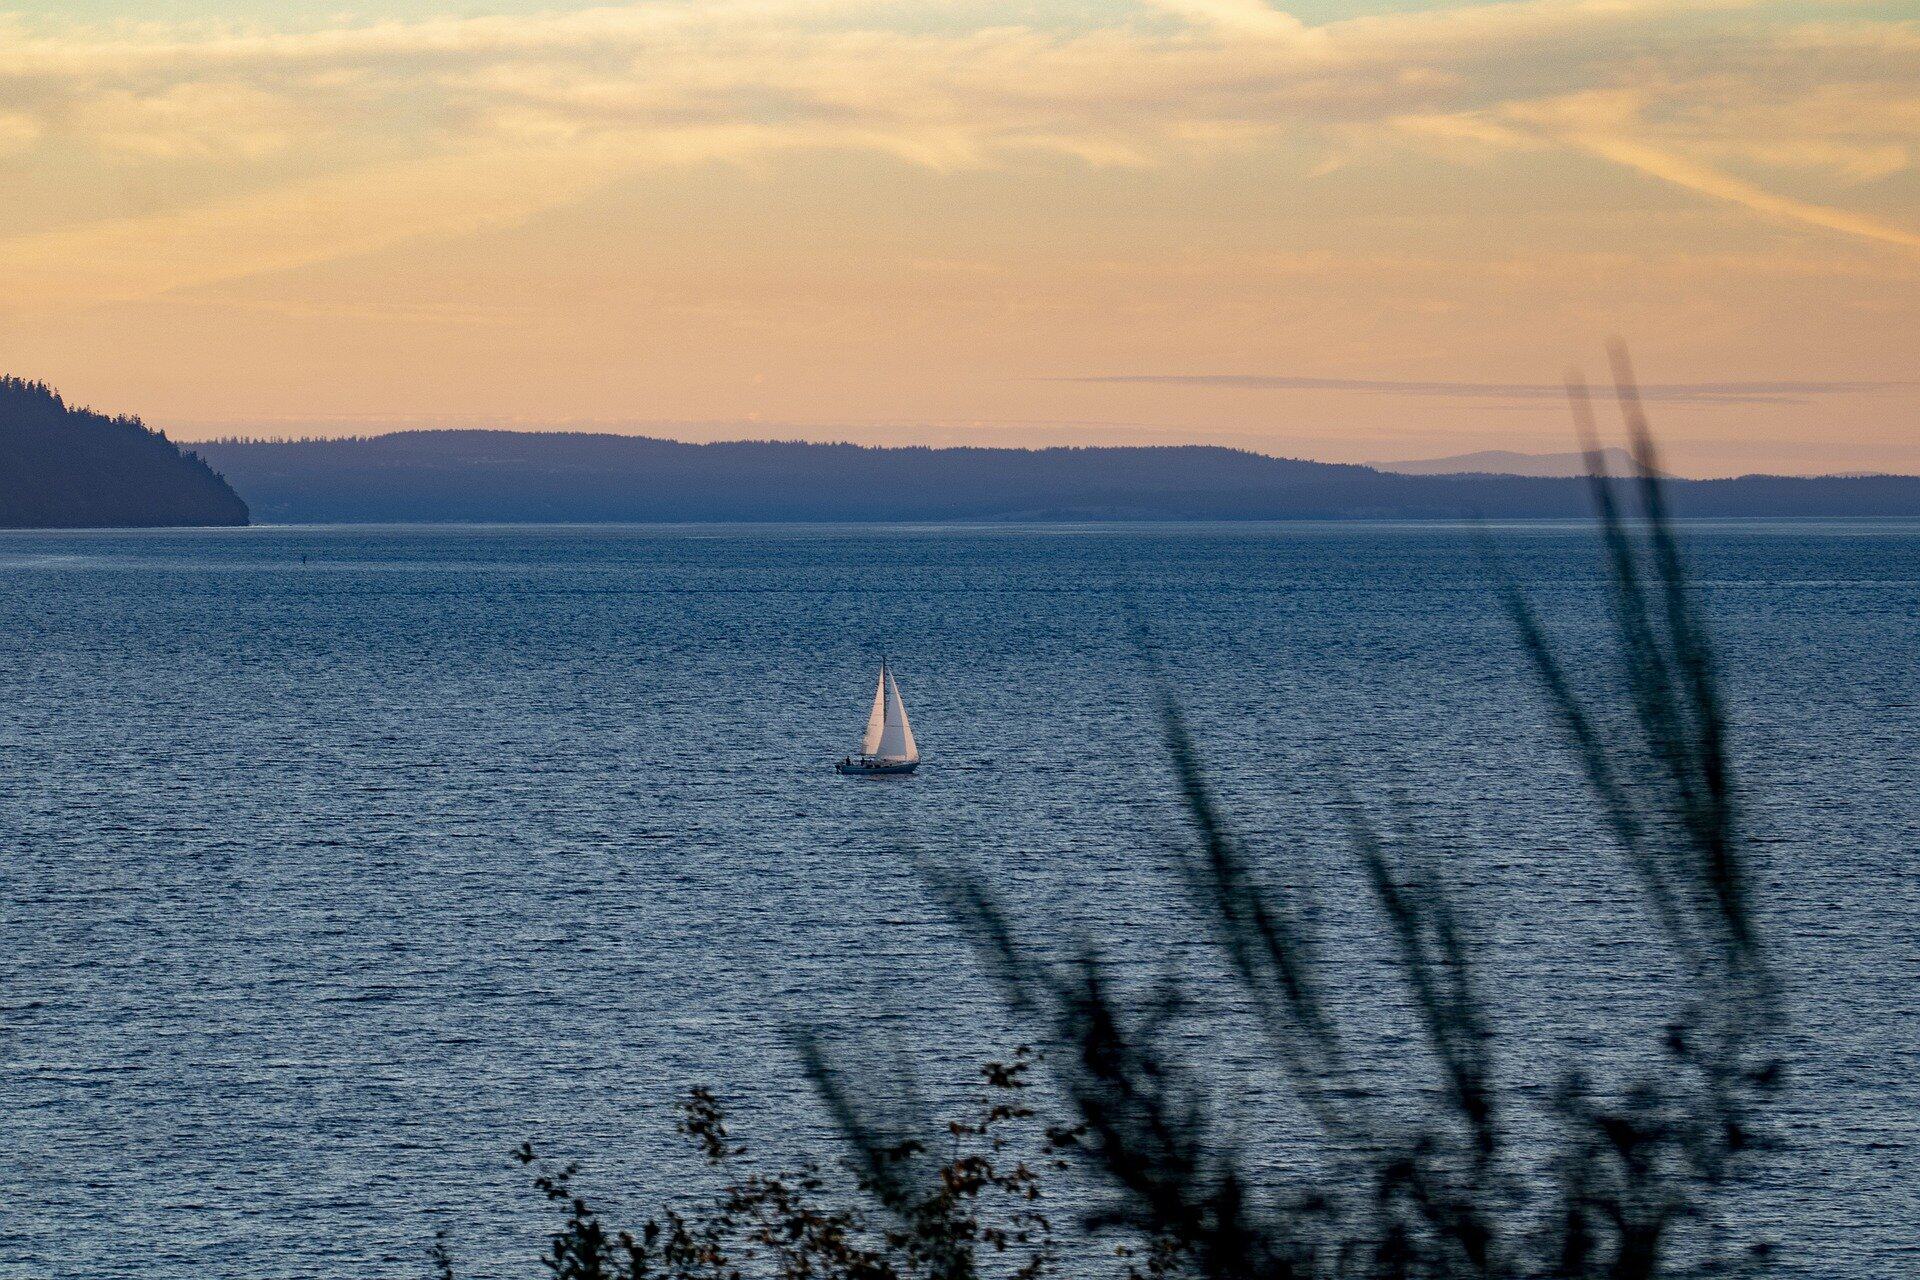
x: 1341, y: 232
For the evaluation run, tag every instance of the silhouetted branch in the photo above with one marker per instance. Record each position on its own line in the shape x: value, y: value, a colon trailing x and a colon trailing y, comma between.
x: 1634, y: 1187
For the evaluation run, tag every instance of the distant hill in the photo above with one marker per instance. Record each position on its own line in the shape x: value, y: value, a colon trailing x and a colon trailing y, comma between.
x: 1502, y: 462
x: 62, y: 467
x: 506, y: 476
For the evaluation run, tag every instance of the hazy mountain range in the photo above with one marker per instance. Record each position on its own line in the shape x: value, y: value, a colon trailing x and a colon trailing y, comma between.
x: 1502, y: 462
x: 497, y: 476
x: 66, y: 467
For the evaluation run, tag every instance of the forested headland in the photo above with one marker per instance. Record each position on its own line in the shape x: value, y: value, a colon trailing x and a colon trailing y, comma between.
x: 64, y: 467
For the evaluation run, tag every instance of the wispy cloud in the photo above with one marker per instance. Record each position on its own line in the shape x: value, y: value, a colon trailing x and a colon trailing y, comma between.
x: 1673, y: 392
x: 1708, y: 181
x: 294, y: 226
x: 395, y: 129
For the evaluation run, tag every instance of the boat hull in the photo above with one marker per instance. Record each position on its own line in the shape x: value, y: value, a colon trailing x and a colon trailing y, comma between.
x: 875, y: 768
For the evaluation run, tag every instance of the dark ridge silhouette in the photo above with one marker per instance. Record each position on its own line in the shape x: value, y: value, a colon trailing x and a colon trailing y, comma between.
x: 67, y: 468
x: 510, y: 476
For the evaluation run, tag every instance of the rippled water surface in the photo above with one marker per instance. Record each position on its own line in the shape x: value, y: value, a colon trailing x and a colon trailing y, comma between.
x: 335, y: 862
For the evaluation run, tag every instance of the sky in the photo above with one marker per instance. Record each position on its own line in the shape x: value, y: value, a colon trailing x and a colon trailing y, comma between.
x: 1353, y: 232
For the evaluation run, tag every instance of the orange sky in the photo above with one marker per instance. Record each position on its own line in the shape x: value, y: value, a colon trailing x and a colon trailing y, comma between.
x: 1343, y: 232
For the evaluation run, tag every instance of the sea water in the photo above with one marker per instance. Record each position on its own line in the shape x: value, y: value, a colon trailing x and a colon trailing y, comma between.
x: 336, y: 862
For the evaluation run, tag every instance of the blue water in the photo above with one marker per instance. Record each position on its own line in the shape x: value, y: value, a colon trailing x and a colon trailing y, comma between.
x: 335, y: 862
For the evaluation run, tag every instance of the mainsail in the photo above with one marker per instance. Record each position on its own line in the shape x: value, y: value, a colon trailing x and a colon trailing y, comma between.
x: 877, y: 718
x: 889, y: 736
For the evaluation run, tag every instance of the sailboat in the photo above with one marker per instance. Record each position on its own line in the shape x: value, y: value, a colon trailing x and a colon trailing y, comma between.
x: 887, y: 746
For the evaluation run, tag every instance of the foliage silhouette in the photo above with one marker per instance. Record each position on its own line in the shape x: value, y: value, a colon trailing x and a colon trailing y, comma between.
x: 903, y: 1213
x: 1636, y: 1178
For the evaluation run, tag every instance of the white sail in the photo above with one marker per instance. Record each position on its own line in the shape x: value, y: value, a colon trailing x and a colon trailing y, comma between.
x: 877, y: 718
x: 896, y: 735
